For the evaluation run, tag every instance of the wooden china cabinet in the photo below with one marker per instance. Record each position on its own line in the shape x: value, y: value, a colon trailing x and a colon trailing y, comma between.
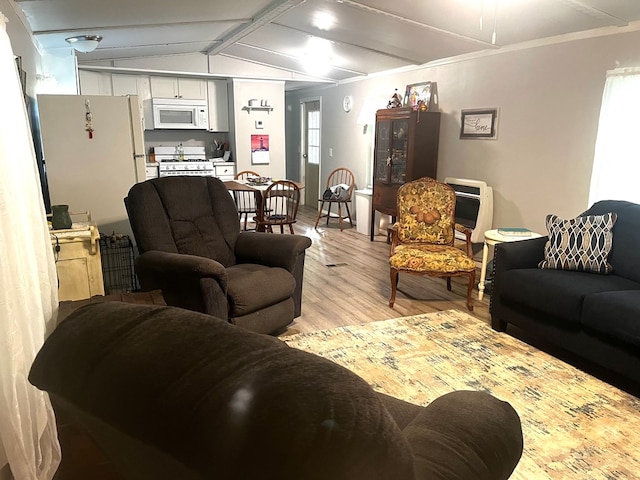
x: 406, y: 148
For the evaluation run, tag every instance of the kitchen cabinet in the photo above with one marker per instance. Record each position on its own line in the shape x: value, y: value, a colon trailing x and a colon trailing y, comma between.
x: 406, y: 148
x: 94, y: 83
x: 139, y: 85
x: 179, y: 87
x: 78, y: 262
x: 218, y: 104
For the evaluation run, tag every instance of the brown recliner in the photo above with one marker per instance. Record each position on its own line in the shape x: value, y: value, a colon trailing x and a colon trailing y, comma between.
x: 188, y: 234
x: 174, y: 394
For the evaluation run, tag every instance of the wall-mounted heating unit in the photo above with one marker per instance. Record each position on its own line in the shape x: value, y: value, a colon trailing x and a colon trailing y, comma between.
x: 474, y: 206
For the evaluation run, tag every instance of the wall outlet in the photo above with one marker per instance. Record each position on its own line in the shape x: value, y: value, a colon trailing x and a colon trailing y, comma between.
x: 259, y: 124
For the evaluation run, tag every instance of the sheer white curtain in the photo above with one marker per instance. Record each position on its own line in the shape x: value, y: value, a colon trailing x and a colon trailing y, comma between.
x: 616, y: 163
x: 28, y: 287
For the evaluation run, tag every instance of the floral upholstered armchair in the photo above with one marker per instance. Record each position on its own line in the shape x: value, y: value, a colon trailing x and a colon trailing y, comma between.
x: 423, y: 237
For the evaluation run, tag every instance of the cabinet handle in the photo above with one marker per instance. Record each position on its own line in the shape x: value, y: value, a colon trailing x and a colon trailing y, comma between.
x: 388, y: 161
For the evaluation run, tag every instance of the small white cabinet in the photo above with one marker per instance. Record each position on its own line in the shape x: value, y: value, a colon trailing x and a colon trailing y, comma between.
x: 178, y: 87
x: 218, y: 104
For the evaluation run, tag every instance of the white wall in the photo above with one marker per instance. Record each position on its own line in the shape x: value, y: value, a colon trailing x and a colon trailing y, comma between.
x: 549, y: 102
x: 244, y: 125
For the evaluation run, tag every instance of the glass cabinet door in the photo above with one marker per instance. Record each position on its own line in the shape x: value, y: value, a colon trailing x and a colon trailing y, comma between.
x: 391, y: 151
x: 383, y: 151
x: 399, y: 150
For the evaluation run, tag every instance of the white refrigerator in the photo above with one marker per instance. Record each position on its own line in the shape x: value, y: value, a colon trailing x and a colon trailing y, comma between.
x: 93, y: 149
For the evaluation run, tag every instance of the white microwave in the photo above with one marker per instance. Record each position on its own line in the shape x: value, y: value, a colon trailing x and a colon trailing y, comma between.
x: 178, y: 113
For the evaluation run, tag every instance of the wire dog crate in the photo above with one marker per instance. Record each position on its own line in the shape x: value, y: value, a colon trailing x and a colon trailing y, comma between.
x: 118, y: 255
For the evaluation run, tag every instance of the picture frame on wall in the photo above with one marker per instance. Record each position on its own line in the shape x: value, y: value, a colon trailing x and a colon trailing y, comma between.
x: 418, y: 96
x: 478, y: 123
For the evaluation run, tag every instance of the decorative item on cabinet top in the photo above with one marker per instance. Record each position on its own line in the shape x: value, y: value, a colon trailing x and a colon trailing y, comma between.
x: 421, y: 96
x: 395, y: 101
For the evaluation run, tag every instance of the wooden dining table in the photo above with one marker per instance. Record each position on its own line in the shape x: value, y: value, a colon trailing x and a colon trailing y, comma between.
x: 258, y: 189
x: 244, y: 185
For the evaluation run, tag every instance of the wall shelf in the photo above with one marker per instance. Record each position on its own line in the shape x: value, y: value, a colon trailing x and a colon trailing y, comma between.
x: 258, y: 107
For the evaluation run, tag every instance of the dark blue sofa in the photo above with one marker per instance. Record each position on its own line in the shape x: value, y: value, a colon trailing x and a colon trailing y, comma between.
x: 596, y: 317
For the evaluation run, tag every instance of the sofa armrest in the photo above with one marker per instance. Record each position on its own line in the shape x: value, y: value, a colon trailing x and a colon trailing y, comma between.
x: 520, y: 254
x: 511, y: 256
x: 467, y: 434
x: 187, y: 281
x: 269, y: 249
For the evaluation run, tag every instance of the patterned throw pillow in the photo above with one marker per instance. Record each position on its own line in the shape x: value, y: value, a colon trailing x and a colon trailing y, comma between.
x: 581, y: 244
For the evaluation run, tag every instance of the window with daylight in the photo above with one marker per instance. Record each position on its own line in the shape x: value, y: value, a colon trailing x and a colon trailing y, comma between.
x: 616, y: 162
x: 313, y: 136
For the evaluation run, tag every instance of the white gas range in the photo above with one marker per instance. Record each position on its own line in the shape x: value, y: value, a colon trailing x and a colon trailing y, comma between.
x: 195, y: 162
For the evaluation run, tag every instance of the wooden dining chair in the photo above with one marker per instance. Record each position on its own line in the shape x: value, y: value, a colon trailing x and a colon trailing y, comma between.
x: 247, y: 201
x: 279, y: 206
x: 340, y: 185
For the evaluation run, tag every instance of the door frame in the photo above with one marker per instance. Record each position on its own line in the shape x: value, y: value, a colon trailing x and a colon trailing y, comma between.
x: 303, y: 136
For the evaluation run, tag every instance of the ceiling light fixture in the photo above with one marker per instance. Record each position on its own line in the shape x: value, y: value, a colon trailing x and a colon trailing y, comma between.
x: 84, y: 43
x: 324, y: 20
x: 317, y: 56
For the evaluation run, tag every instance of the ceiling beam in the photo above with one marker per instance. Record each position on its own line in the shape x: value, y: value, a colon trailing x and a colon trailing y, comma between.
x: 268, y: 14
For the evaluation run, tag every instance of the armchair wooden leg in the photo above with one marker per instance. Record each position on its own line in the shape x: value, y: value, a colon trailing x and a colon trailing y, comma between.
x: 329, y: 212
x: 394, y: 286
x: 340, y: 215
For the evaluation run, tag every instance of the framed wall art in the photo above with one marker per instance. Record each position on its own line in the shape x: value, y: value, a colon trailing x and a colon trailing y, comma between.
x: 418, y: 96
x: 479, y: 123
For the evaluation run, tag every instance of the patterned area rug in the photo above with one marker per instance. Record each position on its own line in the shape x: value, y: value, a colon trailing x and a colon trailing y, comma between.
x: 575, y: 426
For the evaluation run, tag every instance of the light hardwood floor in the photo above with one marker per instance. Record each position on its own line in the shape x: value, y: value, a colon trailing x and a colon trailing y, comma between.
x: 356, y: 290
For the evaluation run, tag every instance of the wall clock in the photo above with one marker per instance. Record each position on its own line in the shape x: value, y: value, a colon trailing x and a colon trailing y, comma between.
x: 347, y: 103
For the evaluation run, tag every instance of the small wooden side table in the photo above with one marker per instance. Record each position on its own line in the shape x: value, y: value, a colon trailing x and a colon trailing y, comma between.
x: 492, y: 237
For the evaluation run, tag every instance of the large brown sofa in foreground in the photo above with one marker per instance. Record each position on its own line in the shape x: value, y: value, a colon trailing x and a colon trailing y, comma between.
x: 175, y: 394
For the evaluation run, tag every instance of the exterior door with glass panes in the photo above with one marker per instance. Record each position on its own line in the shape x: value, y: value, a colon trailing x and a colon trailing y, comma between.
x: 311, y: 151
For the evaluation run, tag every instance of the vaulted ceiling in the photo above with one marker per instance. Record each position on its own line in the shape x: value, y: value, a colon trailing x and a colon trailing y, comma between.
x: 332, y: 40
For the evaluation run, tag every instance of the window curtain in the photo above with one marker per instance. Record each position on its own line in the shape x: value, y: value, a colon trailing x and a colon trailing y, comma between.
x: 28, y: 287
x: 616, y: 163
